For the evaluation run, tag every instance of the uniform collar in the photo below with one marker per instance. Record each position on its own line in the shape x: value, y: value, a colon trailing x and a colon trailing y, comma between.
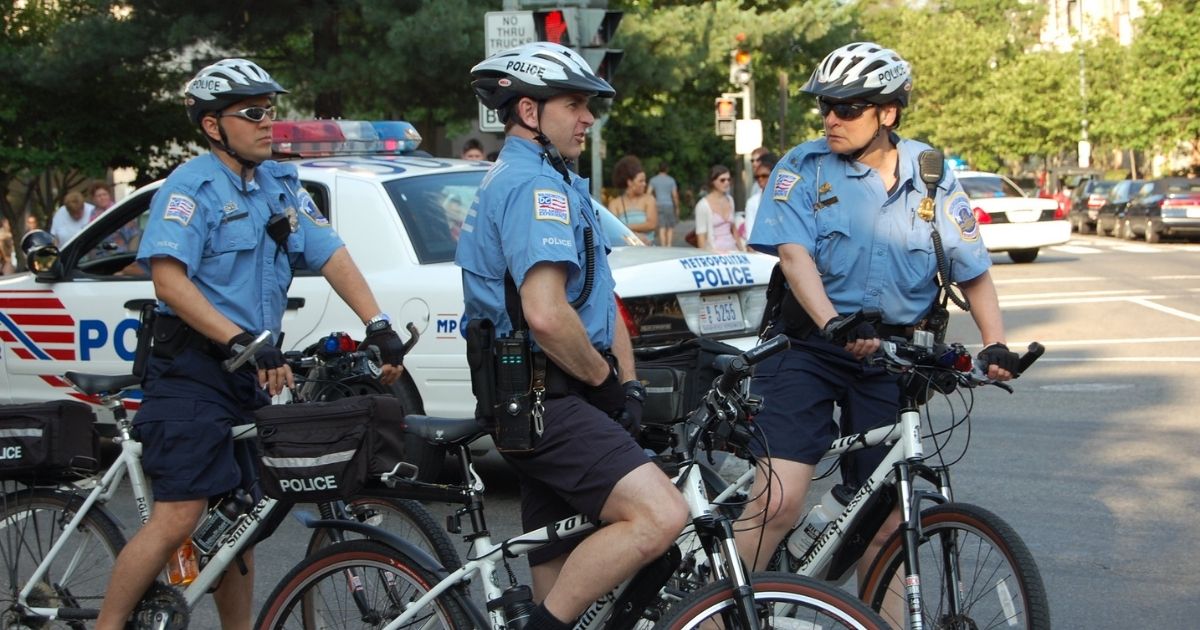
x: 234, y: 178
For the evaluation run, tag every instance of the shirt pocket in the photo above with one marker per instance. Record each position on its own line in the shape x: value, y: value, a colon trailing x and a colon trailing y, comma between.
x: 228, y: 241
x: 834, y: 254
x: 919, y: 264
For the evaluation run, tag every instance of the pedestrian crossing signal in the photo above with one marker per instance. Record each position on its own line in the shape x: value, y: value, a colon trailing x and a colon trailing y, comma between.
x: 726, y: 120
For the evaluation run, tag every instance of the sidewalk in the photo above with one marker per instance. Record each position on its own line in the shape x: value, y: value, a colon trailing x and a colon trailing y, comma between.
x: 681, y: 230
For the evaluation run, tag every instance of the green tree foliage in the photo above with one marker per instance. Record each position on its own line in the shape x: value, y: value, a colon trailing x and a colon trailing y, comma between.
x: 1167, y: 76
x: 83, y: 91
x: 677, y: 62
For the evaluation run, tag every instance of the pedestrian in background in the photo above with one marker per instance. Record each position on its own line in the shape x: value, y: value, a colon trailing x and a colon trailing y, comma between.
x: 715, y: 227
x: 756, y: 159
x: 102, y: 199
x: 70, y: 217
x: 472, y: 150
x: 666, y: 203
x: 634, y: 207
x: 762, y: 172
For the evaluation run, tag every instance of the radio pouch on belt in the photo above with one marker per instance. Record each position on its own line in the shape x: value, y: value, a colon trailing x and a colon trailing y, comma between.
x: 513, y: 408
x: 144, y: 334
x: 481, y: 336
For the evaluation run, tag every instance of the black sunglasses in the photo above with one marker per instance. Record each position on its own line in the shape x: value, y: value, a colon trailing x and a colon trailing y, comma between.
x: 843, y: 110
x: 254, y: 114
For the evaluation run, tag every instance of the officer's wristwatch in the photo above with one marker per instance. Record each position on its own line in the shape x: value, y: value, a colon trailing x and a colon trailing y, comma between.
x: 380, y: 322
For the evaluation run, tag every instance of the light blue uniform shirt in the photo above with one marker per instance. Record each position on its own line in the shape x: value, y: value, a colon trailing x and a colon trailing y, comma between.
x: 871, y: 248
x: 524, y: 214
x: 201, y: 218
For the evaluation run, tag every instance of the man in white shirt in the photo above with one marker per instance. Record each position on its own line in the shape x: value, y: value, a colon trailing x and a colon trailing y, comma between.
x: 70, y: 217
x: 763, y: 166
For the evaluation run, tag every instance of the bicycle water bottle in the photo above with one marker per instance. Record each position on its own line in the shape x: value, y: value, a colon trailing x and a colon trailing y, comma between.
x: 814, y: 524
x: 182, y: 569
x: 220, y: 518
x: 518, y: 604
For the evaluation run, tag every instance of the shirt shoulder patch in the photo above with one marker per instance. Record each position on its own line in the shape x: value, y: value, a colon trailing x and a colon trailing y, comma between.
x: 958, y: 210
x: 551, y: 205
x: 311, y: 212
x: 785, y: 180
x: 179, y: 208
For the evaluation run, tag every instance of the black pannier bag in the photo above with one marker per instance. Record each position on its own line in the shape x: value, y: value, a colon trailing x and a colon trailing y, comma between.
x: 48, y: 441
x: 324, y: 451
x: 677, y: 377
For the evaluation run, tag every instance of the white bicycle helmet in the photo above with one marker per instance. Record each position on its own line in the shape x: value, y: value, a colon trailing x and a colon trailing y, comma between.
x: 862, y: 71
x: 539, y: 70
x: 224, y: 83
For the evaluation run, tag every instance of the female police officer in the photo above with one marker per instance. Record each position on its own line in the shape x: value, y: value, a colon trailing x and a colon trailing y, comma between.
x: 223, y: 234
x: 532, y: 221
x: 842, y: 215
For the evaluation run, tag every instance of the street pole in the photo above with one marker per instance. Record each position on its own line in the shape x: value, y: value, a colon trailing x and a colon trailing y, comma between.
x: 747, y: 114
x: 1085, y: 148
x: 783, y: 107
x: 597, y: 176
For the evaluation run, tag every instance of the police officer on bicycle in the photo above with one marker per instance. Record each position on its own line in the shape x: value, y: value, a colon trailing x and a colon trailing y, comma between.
x: 224, y: 233
x: 844, y: 215
x: 536, y: 278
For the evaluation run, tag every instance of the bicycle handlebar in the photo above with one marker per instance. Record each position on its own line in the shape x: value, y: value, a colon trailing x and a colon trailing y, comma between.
x: 245, y: 353
x: 735, y: 367
x: 904, y: 355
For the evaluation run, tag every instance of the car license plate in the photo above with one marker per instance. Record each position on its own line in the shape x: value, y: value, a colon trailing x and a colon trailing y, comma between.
x: 720, y: 313
x: 1193, y: 213
x: 1023, y: 216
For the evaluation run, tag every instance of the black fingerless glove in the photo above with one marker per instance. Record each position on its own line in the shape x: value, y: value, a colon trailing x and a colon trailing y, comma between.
x: 999, y: 355
x: 608, y: 396
x: 386, y: 341
x: 267, y: 357
x: 833, y: 331
x: 635, y: 401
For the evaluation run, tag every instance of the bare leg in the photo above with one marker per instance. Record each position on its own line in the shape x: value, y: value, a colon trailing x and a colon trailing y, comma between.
x: 140, y: 562
x: 235, y: 595
x: 645, y: 514
x: 782, y: 503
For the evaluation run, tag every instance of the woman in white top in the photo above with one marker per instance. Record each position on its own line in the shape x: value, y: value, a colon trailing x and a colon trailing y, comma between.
x: 715, y: 229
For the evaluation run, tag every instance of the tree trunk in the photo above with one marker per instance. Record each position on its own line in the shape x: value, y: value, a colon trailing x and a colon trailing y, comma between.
x: 326, y: 46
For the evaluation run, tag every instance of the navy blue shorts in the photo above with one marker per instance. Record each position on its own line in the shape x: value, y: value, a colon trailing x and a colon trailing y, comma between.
x: 184, y: 423
x: 800, y: 387
x: 580, y: 457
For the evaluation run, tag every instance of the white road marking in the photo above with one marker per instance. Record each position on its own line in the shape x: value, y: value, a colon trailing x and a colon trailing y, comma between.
x: 1119, y: 360
x: 1076, y: 249
x: 1106, y: 342
x: 1049, y: 301
x: 1166, y: 309
x: 999, y: 281
x: 1067, y: 296
x: 1175, y: 278
x: 1138, y: 249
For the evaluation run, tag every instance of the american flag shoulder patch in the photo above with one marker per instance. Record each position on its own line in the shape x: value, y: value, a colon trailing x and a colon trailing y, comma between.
x: 179, y: 208
x: 551, y: 205
x: 784, y: 182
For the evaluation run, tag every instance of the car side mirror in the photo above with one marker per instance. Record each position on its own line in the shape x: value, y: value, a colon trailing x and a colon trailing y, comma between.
x: 41, y: 253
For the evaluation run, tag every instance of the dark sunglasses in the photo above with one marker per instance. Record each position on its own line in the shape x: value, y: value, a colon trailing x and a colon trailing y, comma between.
x: 844, y: 111
x: 254, y: 114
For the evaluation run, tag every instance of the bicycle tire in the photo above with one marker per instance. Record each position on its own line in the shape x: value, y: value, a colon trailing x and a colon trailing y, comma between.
x: 406, y: 518
x: 998, y: 578
x: 389, y: 580
x: 783, y: 600
x: 31, y: 521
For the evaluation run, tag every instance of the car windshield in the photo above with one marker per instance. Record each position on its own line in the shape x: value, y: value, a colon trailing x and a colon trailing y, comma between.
x: 433, y: 207
x: 989, y: 187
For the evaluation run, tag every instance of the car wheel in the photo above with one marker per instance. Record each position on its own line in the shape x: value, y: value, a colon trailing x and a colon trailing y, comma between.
x: 1084, y: 228
x: 1127, y: 230
x: 1023, y: 255
x: 1152, y: 235
x: 1100, y: 231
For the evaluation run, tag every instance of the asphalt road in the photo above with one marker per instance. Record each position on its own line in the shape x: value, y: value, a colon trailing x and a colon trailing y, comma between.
x: 1093, y: 460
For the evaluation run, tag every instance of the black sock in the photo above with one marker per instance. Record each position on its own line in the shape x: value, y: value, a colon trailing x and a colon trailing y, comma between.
x: 541, y: 619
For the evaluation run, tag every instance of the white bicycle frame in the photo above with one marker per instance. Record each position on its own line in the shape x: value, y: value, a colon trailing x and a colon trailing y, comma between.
x: 129, y: 462
x: 485, y: 556
x: 907, y: 434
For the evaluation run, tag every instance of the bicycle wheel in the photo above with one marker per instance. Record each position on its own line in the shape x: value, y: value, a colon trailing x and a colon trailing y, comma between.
x: 782, y: 601
x: 406, y: 518
x: 31, y: 521
x: 357, y: 584
x: 997, y: 580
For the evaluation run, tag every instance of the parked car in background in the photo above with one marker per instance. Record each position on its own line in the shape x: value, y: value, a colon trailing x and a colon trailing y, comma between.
x: 1086, y: 202
x: 1111, y: 219
x: 1010, y: 221
x: 1164, y: 207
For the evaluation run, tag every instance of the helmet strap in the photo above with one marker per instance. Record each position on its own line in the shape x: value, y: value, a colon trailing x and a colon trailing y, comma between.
x: 549, y: 151
x: 879, y: 128
x: 223, y: 144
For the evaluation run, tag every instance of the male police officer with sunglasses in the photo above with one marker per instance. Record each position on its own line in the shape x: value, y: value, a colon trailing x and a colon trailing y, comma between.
x: 224, y: 232
x: 842, y: 215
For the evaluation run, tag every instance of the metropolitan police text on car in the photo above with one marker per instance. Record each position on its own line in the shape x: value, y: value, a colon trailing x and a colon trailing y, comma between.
x: 719, y: 271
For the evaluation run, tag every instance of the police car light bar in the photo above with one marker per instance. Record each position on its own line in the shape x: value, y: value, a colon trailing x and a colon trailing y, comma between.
x: 323, y: 138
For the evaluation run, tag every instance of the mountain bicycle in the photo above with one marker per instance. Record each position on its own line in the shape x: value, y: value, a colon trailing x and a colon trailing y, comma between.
x: 954, y: 565
x: 377, y: 585
x: 58, y: 543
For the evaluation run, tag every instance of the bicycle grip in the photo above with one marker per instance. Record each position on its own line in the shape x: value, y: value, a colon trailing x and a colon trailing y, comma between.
x: 1035, y: 351
x: 776, y: 344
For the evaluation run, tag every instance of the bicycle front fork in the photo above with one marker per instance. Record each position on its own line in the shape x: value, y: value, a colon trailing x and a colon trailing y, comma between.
x: 910, y: 529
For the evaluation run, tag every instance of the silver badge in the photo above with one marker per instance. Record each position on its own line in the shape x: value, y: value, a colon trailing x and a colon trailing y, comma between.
x: 293, y: 221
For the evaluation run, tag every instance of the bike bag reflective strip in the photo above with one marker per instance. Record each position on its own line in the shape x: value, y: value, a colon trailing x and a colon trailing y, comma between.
x: 48, y: 441
x: 322, y: 451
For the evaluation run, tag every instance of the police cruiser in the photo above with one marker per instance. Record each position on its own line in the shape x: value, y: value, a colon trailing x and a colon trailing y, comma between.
x: 399, y: 213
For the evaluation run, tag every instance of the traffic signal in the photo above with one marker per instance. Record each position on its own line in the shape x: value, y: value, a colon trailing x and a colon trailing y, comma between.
x: 726, y: 111
x: 588, y: 31
x: 739, y: 67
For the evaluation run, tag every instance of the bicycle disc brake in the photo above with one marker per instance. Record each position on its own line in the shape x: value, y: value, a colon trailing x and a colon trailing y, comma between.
x: 161, y: 608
